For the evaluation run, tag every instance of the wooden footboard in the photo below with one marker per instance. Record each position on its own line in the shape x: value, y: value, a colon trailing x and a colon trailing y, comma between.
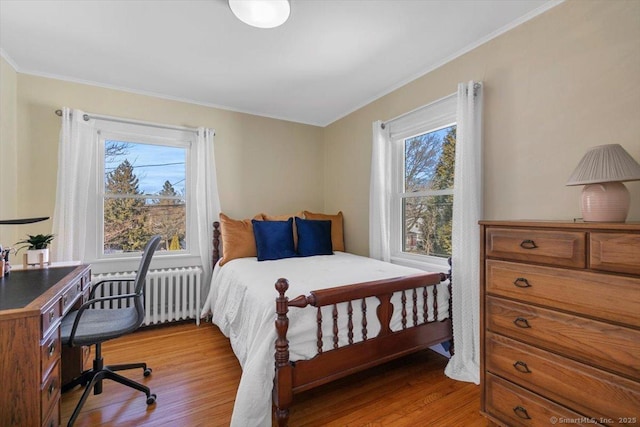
x: 418, y: 332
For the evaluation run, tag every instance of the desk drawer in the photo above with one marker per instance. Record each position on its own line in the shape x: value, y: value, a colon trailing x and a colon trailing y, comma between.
x: 591, y: 294
x: 49, y: 316
x: 562, y: 248
x: 50, y: 391
x: 519, y: 407
x: 53, y: 418
x: 69, y: 297
x: 617, y: 252
x: 49, y: 353
x: 581, y: 387
x: 86, y: 280
x: 608, y: 346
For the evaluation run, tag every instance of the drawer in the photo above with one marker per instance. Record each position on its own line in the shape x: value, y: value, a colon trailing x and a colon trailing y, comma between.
x: 519, y: 407
x: 49, y: 353
x: 614, y: 298
x: 50, y: 316
x: 53, y: 418
x: 610, y: 347
x: 580, y: 387
x: 86, y: 280
x: 562, y: 248
x: 50, y: 391
x: 69, y: 297
x: 617, y: 252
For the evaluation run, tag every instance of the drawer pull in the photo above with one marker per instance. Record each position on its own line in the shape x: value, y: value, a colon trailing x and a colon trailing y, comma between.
x: 521, y: 322
x: 52, y: 315
x: 52, y: 388
x: 521, y: 282
x: 528, y: 244
x: 52, y: 348
x: 521, y: 412
x: 64, y: 300
x: 522, y: 367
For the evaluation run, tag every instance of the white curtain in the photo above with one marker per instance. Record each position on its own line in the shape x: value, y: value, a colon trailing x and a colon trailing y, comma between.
x: 467, y: 211
x: 206, y: 200
x: 380, y: 194
x: 70, y: 214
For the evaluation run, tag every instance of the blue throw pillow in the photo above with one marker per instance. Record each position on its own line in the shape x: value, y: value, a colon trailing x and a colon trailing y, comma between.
x: 314, y: 237
x: 274, y: 239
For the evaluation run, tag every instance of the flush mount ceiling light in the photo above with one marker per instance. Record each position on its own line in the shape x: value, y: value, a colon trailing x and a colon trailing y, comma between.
x: 261, y: 13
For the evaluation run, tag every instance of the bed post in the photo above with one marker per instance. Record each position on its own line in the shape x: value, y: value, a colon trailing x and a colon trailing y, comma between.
x: 215, y: 255
x: 283, y: 381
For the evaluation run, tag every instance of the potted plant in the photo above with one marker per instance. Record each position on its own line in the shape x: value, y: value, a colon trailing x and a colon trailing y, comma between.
x: 37, y: 248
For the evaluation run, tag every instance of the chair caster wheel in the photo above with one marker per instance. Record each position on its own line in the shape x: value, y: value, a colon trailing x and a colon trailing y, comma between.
x: 147, y: 372
x: 151, y: 399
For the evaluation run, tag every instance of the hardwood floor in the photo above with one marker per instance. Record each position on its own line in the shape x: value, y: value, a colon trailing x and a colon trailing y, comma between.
x: 195, y: 375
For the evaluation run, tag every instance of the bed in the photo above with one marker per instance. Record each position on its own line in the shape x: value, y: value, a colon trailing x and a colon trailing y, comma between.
x: 346, y: 313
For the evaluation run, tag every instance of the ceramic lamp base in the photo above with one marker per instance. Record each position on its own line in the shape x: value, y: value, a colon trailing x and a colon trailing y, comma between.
x: 606, y: 202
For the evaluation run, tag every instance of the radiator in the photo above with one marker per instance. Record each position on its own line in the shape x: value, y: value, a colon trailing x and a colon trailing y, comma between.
x: 171, y: 294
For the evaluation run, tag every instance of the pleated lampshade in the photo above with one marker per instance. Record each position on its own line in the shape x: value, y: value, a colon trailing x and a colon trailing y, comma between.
x: 602, y: 170
x: 605, y: 163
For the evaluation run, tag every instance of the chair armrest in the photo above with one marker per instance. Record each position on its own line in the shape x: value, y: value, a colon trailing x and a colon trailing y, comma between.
x: 95, y: 286
x: 91, y: 303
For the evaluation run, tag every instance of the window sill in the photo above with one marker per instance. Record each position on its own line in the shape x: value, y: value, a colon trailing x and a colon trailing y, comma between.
x: 437, y: 265
x: 112, y: 265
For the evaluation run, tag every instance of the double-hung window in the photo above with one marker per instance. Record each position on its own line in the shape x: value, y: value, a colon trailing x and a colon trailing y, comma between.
x: 423, y: 159
x: 143, y: 187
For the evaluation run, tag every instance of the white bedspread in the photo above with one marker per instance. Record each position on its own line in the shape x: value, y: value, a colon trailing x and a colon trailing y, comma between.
x: 242, y: 302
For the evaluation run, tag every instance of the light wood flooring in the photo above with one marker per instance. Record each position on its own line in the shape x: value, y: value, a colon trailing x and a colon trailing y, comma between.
x: 196, y: 375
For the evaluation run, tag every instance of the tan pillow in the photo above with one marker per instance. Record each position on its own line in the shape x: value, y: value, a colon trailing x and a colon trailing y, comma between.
x: 237, y: 238
x: 337, y: 231
x: 267, y: 217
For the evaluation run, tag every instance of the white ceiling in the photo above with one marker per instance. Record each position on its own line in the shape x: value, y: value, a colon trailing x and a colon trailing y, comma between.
x: 330, y: 58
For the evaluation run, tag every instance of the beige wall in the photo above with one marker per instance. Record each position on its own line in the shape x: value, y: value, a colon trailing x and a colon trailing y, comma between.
x: 262, y: 164
x: 554, y: 86
x: 8, y: 151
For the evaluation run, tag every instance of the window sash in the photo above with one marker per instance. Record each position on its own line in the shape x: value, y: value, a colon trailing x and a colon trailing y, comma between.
x: 427, y: 193
x: 429, y: 118
x: 151, y: 135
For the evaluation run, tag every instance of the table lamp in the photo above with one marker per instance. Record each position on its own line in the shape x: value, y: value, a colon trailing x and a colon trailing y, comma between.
x: 602, y: 171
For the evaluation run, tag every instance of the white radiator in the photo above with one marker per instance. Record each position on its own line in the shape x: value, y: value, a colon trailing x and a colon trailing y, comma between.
x: 171, y: 294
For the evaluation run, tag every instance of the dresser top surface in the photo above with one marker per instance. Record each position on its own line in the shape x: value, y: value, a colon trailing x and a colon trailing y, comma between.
x: 591, y: 226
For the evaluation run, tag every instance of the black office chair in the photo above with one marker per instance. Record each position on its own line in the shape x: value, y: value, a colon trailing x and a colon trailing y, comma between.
x: 91, y: 325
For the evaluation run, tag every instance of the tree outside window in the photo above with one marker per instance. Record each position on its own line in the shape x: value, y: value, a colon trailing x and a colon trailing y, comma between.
x: 138, y: 201
x: 427, y: 198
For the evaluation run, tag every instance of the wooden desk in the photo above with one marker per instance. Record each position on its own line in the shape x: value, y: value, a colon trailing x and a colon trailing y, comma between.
x: 32, y: 304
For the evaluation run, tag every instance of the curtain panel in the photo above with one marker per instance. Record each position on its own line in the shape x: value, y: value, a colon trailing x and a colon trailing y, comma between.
x: 76, y: 152
x: 467, y: 211
x: 380, y: 194
x: 207, y: 201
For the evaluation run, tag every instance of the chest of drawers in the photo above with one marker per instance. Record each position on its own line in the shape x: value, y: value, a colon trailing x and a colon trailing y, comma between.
x: 560, y: 323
